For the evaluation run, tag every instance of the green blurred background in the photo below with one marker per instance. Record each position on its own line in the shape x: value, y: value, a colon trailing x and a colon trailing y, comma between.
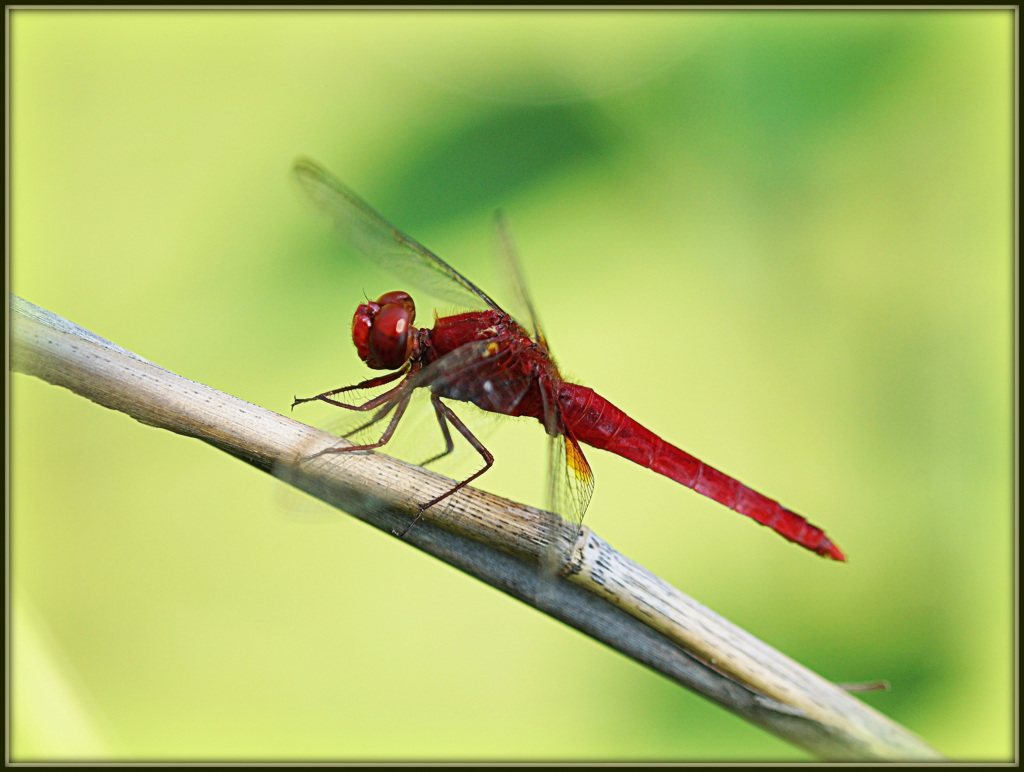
x: 783, y: 240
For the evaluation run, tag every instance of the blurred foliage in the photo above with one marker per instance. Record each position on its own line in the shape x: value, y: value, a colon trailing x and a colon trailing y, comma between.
x: 782, y: 240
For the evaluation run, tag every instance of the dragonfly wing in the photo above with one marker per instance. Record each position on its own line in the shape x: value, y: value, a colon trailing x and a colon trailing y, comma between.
x: 475, y: 371
x: 382, y: 243
x: 572, y: 481
x: 522, y: 307
x: 571, y: 484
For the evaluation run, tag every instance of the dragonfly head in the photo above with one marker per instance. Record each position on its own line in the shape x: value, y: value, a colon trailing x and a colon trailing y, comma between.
x: 382, y: 330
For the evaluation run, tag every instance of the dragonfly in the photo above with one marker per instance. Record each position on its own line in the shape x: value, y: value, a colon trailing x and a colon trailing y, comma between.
x: 486, y: 357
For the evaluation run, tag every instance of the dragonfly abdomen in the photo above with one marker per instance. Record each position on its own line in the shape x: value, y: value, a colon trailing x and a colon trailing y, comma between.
x: 597, y: 422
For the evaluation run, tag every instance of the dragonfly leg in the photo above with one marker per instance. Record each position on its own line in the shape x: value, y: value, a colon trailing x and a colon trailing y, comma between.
x: 455, y: 421
x: 402, y: 404
x: 449, y: 446
x: 370, y: 383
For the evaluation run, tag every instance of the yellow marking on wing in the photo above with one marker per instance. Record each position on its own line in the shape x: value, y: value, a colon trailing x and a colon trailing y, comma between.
x: 575, y: 460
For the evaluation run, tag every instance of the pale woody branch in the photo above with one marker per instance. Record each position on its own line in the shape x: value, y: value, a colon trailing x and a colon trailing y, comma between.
x: 603, y: 593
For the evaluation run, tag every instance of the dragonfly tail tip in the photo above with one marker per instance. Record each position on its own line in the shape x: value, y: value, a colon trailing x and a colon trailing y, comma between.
x: 830, y: 550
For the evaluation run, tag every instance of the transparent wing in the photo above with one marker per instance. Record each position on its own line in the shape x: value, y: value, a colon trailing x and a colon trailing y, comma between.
x: 572, y: 481
x: 475, y: 370
x: 522, y: 307
x: 382, y: 243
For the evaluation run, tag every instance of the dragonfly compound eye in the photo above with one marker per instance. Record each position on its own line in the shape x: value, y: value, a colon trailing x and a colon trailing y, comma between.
x: 391, y: 337
x: 362, y: 323
x: 400, y: 298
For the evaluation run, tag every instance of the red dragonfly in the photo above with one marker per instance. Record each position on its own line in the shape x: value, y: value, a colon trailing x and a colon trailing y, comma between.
x: 487, y: 358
